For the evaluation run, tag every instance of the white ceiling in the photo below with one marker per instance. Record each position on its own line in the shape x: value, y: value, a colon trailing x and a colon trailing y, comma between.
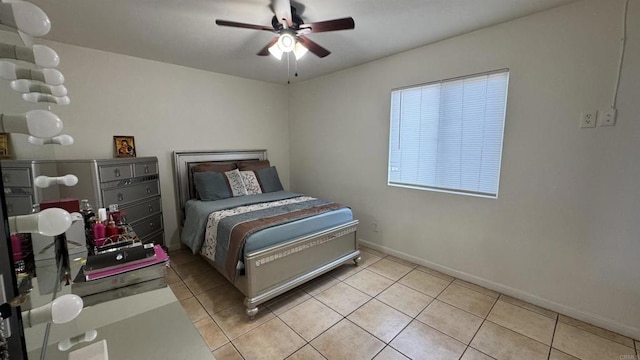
x: 183, y: 31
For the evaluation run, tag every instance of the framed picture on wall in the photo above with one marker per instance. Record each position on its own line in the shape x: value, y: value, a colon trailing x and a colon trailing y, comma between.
x: 4, y: 146
x: 124, y: 146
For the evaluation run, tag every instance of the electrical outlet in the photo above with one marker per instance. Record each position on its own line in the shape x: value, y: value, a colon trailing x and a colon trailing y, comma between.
x: 588, y: 119
x: 608, y: 117
x: 374, y: 226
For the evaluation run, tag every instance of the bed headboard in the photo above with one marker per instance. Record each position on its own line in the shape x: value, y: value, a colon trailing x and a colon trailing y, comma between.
x: 183, y: 161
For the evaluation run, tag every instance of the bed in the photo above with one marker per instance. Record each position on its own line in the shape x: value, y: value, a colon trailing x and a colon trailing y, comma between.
x: 276, y: 257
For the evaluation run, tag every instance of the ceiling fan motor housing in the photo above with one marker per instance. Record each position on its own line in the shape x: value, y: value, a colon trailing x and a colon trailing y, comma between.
x: 295, y: 18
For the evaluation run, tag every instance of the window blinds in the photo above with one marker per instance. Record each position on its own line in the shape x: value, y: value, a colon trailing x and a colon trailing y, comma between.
x: 447, y: 136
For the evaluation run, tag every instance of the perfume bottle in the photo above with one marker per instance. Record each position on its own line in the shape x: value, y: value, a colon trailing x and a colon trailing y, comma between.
x: 99, y: 233
x: 111, y: 229
x: 18, y: 256
x: 86, y: 210
x: 88, y: 215
x: 123, y: 227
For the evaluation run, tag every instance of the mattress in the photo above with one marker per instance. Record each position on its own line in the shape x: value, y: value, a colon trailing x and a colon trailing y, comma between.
x: 197, y: 213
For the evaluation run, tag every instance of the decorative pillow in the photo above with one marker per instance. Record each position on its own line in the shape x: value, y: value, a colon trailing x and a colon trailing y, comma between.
x: 268, y: 178
x: 209, y: 167
x: 253, y: 165
x: 211, y: 186
x: 251, y: 182
x: 236, y: 183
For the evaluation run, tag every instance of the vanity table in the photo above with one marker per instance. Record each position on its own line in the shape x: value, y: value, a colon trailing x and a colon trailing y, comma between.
x: 149, y: 325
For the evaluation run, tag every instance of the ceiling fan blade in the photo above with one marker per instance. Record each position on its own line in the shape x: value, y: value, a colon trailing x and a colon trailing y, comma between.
x: 312, y: 46
x: 330, y: 25
x: 265, y: 50
x: 243, y: 25
x: 282, y: 10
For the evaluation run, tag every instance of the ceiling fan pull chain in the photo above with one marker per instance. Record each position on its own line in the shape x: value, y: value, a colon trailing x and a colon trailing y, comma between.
x: 288, y: 72
x: 295, y: 66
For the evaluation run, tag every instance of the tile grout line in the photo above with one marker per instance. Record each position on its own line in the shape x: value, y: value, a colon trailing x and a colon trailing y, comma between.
x: 533, y: 311
x: 405, y: 327
x: 414, y: 318
x: 463, y: 283
x: 237, y: 350
x: 371, y: 298
x: 375, y: 274
x: 483, y: 321
x: 343, y: 317
x: 528, y: 337
x: 317, y: 336
x: 434, y: 275
x: 305, y: 340
x: 555, y: 327
x: 481, y: 352
x: 181, y: 280
x: 470, y: 313
x: 410, y: 288
x: 599, y: 336
x: 557, y: 317
x: 208, y: 315
x: 453, y: 306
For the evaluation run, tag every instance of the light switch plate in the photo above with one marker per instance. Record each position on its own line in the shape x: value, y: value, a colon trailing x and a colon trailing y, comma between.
x: 588, y: 119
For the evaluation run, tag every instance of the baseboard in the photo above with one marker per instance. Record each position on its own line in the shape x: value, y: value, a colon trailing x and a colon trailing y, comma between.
x: 596, y: 320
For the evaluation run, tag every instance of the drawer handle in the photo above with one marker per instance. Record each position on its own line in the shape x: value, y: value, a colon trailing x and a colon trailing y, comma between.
x: 6, y: 178
x: 9, y: 207
x: 146, y: 169
x: 117, y: 172
x: 151, y: 225
x: 148, y: 190
x: 150, y: 208
x: 120, y: 197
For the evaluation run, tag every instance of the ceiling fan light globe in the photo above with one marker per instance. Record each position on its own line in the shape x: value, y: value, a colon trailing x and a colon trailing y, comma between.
x: 275, y: 51
x: 286, y: 42
x: 299, y: 51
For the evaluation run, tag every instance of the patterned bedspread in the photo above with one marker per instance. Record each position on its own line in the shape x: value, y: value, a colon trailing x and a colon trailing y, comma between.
x: 227, y: 230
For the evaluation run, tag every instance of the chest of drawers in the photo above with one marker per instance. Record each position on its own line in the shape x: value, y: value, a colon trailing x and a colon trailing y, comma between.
x: 131, y: 183
x: 18, y: 179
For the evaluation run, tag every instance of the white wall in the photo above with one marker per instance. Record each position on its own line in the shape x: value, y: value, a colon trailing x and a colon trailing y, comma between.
x: 564, y: 232
x: 166, y: 107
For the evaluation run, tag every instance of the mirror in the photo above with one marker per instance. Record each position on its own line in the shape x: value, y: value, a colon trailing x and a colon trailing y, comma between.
x: 18, y: 149
x: 112, y: 317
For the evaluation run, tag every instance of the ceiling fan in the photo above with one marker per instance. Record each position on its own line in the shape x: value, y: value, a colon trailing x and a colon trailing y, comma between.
x: 291, y: 31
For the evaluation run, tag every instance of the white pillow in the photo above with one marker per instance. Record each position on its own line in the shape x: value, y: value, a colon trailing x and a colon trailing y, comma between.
x: 251, y: 182
x: 236, y: 183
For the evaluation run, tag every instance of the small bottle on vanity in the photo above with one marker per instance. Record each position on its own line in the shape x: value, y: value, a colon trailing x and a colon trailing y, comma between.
x: 99, y: 229
x: 112, y: 229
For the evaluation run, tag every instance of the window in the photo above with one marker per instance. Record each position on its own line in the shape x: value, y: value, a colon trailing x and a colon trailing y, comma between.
x: 447, y: 135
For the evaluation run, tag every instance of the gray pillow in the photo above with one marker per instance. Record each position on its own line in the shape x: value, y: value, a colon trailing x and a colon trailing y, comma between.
x: 211, y: 185
x: 268, y: 178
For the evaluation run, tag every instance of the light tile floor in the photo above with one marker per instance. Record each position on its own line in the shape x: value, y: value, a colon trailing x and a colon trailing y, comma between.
x: 386, y: 308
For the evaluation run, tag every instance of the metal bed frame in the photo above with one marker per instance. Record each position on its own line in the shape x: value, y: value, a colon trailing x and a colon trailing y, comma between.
x: 279, y: 268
